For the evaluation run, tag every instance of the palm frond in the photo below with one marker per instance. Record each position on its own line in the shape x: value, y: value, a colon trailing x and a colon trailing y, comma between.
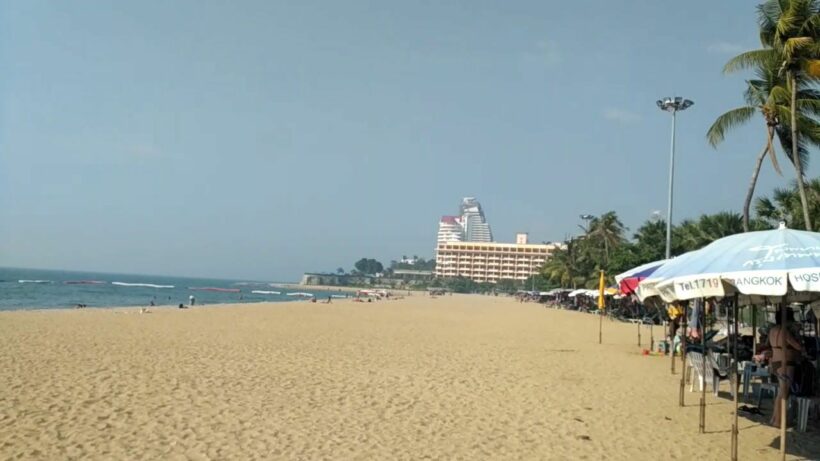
x: 767, y: 15
x: 793, y: 45
x: 727, y: 121
x: 780, y: 94
x: 808, y: 106
x: 749, y: 59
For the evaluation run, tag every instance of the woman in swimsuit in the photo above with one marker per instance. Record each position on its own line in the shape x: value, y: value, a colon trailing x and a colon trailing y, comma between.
x: 786, y: 354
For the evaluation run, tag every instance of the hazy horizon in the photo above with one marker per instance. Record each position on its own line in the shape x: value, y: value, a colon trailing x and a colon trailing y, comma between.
x: 262, y: 140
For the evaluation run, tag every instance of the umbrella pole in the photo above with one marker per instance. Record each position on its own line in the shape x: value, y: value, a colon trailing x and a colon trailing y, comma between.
x: 733, y: 371
x: 704, y: 355
x: 682, y: 356
x: 754, y: 330
x: 783, y: 382
x: 672, y: 342
x: 639, y: 333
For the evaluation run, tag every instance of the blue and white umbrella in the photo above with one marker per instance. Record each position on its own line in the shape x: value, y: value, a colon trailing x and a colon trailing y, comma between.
x: 767, y: 263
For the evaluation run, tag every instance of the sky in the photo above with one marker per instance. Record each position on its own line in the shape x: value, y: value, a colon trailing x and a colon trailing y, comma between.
x: 260, y: 139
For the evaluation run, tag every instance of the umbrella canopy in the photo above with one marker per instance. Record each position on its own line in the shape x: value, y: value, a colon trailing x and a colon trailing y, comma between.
x: 592, y: 293
x: 648, y: 286
x: 765, y: 263
x: 629, y: 280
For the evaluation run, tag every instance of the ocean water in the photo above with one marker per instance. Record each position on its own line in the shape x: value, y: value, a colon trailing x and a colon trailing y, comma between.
x: 48, y: 289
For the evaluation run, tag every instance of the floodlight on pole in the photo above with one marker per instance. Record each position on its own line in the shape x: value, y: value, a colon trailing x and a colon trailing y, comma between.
x: 672, y: 105
x: 587, y: 218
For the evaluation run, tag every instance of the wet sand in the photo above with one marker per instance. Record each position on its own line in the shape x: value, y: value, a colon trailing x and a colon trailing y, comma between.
x: 457, y: 377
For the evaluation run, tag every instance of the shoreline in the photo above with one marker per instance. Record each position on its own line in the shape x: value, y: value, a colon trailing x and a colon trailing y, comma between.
x: 165, y: 307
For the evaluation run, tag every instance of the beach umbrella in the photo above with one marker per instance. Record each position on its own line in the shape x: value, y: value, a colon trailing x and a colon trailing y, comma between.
x: 628, y: 285
x: 780, y: 265
x: 647, y: 287
x: 776, y: 264
x: 628, y: 281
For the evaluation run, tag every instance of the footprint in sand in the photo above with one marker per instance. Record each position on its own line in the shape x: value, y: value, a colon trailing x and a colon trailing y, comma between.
x: 584, y: 437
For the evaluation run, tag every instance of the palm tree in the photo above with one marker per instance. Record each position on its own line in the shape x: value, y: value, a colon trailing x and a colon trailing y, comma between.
x: 785, y: 205
x: 606, y: 230
x: 567, y: 266
x: 789, y: 32
x: 759, y: 97
x: 650, y: 241
x: 694, y: 235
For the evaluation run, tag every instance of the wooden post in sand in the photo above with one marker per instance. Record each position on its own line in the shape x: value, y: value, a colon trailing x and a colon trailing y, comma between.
x: 704, y: 354
x: 782, y: 371
x: 754, y: 330
x: 683, y: 357
x: 733, y: 371
x: 639, y: 333
x: 601, y: 306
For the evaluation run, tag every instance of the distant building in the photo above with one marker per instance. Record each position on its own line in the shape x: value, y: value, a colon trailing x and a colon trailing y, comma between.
x: 491, y: 262
x: 450, y: 229
x: 411, y: 274
x: 475, y: 224
x: 469, y: 226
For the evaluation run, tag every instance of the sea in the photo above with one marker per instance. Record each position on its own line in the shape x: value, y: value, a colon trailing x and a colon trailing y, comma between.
x: 51, y: 289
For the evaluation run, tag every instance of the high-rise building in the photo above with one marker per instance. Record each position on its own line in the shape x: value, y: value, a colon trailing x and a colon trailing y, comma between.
x: 475, y: 224
x: 450, y: 229
x: 469, y: 226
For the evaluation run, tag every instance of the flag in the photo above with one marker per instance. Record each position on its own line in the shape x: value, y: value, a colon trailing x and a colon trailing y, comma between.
x: 601, y: 292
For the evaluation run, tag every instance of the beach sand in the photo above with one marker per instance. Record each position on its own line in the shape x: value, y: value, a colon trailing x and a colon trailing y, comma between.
x: 457, y: 377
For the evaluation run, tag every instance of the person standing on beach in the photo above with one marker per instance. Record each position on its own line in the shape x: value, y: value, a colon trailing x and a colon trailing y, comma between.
x: 191, y: 300
x: 787, y: 352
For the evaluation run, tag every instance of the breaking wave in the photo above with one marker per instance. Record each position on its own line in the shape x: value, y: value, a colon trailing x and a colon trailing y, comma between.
x: 147, y: 285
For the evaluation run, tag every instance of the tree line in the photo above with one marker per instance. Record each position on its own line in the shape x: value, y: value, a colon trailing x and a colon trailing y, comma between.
x: 604, y: 244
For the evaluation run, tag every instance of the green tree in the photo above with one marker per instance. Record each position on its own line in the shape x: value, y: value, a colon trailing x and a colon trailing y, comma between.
x: 695, y: 234
x: 761, y: 98
x: 506, y: 286
x: 789, y: 30
x: 569, y: 267
x: 606, y: 233
x: 340, y: 271
x: 369, y: 266
x: 785, y: 205
x: 650, y: 241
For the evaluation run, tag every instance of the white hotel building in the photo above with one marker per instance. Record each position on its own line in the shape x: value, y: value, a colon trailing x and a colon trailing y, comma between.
x: 490, y: 261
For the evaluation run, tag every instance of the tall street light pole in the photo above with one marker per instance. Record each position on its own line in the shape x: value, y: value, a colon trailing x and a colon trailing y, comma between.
x: 673, y: 105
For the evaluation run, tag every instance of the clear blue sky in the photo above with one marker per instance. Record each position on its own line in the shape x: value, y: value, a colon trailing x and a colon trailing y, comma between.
x: 260, y: 139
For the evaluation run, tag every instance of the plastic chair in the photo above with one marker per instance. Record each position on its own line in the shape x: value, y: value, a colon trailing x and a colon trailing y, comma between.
x: 750, y: 372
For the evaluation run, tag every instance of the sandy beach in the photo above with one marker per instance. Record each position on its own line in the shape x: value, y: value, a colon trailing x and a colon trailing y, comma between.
x: 457, y: 377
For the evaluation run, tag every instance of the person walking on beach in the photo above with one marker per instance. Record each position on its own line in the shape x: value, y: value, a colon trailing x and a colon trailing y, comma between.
x: 191, y: 300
